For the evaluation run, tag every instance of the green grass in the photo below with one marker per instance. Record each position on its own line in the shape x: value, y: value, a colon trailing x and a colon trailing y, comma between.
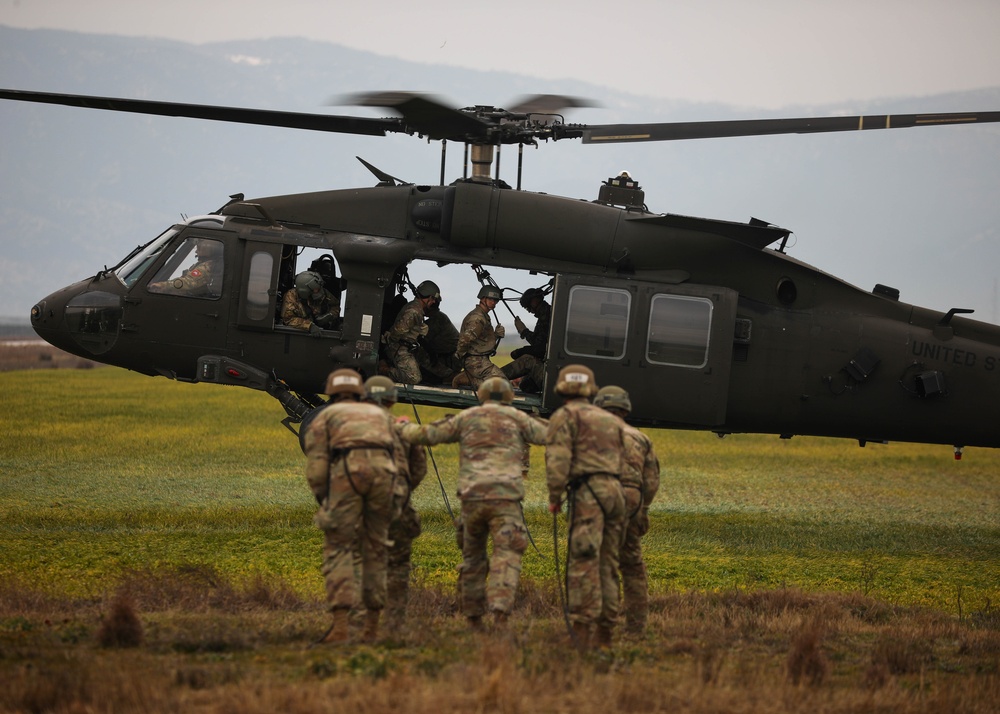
x: 103, y: 472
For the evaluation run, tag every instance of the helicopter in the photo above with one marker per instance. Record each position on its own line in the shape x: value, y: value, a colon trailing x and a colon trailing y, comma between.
x: 708, y: 324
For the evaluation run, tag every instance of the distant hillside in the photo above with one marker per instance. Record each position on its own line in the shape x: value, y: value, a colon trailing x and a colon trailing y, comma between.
x: 918, y: 209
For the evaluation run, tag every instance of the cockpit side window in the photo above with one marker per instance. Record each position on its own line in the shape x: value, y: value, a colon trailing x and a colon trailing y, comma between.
x: 194, y: 270
x: 133, y: 267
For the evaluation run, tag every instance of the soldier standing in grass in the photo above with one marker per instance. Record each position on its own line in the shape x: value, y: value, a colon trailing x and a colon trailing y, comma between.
x: 350, y: 469
x: 492, y: 438
x: 641, y: 481
x: 478, y: 340
x: 411, y: 467
x: 583, y: 463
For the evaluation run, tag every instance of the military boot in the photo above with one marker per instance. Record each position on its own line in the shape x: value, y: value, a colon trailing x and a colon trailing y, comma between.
x: 475, y: 623
x: 581, y: 634
x: 338, y: 632
x: 500, y: 619
x: 370, y: 632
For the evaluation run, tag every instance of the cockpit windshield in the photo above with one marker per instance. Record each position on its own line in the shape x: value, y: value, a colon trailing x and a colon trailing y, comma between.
x: 133, y: 268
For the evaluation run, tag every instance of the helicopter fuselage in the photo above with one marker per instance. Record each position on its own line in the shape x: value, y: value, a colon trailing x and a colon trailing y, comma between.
x: 705, y: 324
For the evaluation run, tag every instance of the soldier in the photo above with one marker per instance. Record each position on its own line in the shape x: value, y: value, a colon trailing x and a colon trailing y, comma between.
x: 583, y: 463
x: 641, y: 481
x: 492, y: 437
x: 401, y: 340
x: 349, y: 466
x: 529, y: 361
x: 477, y: 341
x: 411, y: 467
x: 436, y: 355
x: 203, y: 278
x: 310, y: 306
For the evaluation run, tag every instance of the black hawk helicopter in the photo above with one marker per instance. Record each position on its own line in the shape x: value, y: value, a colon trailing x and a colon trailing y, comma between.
x: 708, y: 324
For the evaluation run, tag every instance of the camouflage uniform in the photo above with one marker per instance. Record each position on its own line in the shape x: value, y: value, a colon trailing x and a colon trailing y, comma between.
x: 411, y: 464
x: 641, y: 481
x: 401, y: 342
x: 299, y: 314
x: 196, y: 280
x: 491, y: 488
x: 583, y: 457
x: 529, y: 361
x: 477, y: 341
x: 349, y: 466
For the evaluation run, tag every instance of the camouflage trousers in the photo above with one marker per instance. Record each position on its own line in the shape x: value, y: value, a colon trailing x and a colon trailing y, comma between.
x: 356, y: 513
x: 477, y: 370
x: 404, y: 528
x: 529, y: 367
x: 596, y: 523
x: 502, y: 520
x: 405, y: 369
x: 635, y: 583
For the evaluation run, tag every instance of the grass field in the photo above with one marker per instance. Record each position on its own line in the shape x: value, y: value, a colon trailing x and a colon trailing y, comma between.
x: 189, y: 501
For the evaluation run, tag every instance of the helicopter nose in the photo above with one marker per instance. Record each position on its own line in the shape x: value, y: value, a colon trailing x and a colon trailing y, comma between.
x: 78, y: 320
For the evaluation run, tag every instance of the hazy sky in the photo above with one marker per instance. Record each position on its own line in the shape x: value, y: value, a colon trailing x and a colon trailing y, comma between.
x: 764, y: 53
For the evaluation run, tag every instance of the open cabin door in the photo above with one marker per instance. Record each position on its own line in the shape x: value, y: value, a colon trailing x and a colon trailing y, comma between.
x: 669, y: 346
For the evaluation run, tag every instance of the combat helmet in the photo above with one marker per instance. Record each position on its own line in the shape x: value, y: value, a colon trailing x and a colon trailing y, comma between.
x: 488, y: 291
x: 528, y: 295
x: 344, y: 381
x: 428, y: 288
x: 613, y: 397
x: 308, y: 283
x: 208, y: 249
x: 495, y: 389
x: 381, y: 390
x: 576, y: 380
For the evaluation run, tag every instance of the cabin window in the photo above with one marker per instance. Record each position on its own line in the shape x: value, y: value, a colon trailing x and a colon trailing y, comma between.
x: 597, y: 322
x: 194, y: 270
x: 257, y: 296
x: 678, y: 332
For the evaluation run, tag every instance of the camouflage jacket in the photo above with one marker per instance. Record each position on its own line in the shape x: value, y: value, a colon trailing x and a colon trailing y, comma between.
x: 409, y: 324
x: 196, y: 280
x: 642, y: 468
x: 492, y: 440
x: 295, y: 313
x: 582, y: 440
x: 476, y: 336
x: 343, y: 426
x: 538, y: 338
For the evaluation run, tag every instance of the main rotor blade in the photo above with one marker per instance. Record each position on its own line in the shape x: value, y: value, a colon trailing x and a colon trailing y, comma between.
x: 261, y: 117
x: 426, y: 114
x: 674, y: 131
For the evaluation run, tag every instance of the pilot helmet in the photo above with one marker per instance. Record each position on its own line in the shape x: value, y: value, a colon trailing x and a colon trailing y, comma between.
x: 495, y: 389
x: 381, y: 390
x: 344, y: 381
x: 613, y: 397
x: 208, y: 249
x: 488, y: 291
x: 576, y: 380
x: 308, y: 284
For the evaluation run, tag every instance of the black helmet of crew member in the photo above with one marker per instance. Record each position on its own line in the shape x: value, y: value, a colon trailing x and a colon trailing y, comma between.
x: 495, y: 389
x: 381, y: 390
x: 345, y: 381
x: 613, y: 397
x: 308, y: 283
x: 576, y: 380
x: 429, y: 289
x: 530, y: 294
x: 488, y: 291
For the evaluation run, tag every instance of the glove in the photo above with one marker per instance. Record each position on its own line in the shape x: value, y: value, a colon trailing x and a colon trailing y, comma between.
x: 519, y: 326
x: 315, y: 329
x: 325, y: 320
x: 499, y: 331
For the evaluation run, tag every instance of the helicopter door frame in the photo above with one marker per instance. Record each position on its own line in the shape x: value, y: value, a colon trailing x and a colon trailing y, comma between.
x: 258, y: 278
x: 669, y: 345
